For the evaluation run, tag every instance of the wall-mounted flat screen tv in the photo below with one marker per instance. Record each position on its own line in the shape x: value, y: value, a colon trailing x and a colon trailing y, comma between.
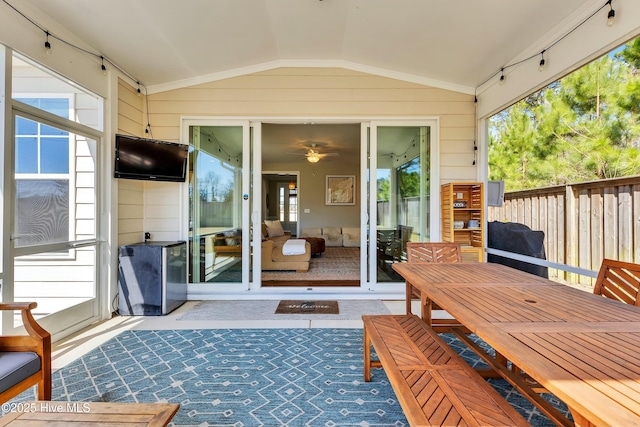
x: 149, y: 159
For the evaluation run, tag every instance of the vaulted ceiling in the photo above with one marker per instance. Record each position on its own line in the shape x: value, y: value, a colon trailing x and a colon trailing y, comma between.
x: 454, y: 44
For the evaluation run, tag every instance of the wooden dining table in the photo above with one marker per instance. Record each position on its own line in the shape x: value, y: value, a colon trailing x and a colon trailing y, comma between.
x: 581, y: 347
x: 42, y: 413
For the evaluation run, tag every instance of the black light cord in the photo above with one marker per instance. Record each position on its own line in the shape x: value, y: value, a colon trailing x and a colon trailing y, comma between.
x: 100, y: 57
x: 104, y: 59
x: 475, y: 127
x: 502, y: 69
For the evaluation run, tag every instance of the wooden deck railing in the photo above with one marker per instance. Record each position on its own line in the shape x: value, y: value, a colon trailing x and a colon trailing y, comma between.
x: 583, y: 223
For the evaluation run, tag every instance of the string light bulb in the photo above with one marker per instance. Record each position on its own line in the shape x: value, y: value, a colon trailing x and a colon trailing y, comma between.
x: 502, y: 77
x: 611, y: 16
x: 138, y: 90
x: 102, y: 67
x: 47, y: 45
x: 542, y: 62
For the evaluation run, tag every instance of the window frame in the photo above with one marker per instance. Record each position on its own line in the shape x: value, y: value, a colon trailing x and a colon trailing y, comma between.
x: 51, y: 251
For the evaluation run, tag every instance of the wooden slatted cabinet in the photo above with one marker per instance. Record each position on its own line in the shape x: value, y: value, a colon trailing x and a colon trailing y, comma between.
x: 462, y: 202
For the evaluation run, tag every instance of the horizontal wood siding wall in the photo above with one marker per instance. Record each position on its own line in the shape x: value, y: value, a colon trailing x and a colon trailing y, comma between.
x: 326, y: 92
x: 130, y: 193
x: 583, y: 223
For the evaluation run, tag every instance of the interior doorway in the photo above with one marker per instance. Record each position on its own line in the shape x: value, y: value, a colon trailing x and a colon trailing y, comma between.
x: 280, y: 192
x: 297, y: 159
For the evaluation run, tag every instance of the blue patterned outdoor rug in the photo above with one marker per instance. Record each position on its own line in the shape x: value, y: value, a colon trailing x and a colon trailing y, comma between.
x: 247, y: 377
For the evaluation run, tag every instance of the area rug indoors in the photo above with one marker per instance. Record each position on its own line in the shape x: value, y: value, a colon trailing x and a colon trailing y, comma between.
x: 266, y: 310
x: 246, y: 377
x: 308, y: 307
x: 336, y: 263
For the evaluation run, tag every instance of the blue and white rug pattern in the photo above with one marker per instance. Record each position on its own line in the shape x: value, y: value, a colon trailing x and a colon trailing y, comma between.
x: 246, y: 377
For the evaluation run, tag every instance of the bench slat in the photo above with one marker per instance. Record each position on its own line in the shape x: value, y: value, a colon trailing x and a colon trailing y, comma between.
x: 433, y: 384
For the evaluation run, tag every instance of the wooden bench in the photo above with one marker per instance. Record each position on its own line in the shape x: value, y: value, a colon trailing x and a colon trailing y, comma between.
x: 434, y: 385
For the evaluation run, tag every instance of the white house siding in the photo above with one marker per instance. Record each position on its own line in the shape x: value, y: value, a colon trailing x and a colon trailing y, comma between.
x: 315, y: 92
x: 286, y: 92
x: 130, y: 192
x: 143, y: 206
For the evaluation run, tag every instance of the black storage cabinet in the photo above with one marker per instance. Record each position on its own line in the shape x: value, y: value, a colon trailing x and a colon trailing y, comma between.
x: 152, y: 278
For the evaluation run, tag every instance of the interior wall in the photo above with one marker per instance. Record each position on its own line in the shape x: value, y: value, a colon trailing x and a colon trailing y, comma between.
x: 311, y: 193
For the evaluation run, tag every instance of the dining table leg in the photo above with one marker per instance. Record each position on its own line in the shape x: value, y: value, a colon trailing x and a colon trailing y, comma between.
x: 367, y: 356
x: 409, y: 294
x: 501, y: 359
x: 579, y: 420
x: 425, y: 309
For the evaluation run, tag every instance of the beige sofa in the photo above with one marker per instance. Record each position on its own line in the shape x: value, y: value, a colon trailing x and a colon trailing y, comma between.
x: 273, y: 259
x: 332, y: 236
x: 311, y: 232
x: 351, y: 237
x: 335, y: 236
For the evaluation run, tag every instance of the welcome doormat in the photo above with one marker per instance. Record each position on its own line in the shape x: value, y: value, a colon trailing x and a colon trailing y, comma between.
x: 307, y: 307
x: 261, y: 310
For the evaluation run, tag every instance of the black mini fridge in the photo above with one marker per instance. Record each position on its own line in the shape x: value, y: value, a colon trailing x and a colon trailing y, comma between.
x: 152, y: 279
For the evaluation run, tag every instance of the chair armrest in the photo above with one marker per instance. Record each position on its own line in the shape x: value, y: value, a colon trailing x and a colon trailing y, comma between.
x: 38, y: 341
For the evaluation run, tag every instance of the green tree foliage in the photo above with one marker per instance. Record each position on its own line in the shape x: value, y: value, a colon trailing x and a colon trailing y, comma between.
x: 409, y: 178
x: 383, y: 189
x: 583, y: 127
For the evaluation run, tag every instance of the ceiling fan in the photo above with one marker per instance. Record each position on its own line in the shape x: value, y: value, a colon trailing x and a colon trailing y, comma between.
x: 313, y: 155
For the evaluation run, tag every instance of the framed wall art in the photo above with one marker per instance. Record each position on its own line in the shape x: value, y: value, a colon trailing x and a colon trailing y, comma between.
x: 340, y: 190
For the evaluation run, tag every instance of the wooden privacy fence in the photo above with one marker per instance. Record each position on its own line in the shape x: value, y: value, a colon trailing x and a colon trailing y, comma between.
x: 583, y: 223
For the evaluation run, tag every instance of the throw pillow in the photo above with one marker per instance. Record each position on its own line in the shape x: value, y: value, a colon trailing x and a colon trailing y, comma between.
x: 231, y: 242
x: 274, y: 228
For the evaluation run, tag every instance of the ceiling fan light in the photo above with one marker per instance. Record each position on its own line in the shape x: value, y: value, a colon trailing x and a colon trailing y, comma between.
x: 313, y: 158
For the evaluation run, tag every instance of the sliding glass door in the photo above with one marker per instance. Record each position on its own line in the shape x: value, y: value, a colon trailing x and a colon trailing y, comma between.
x: 228, y: 198
x: 218, y: 204
x: 401, y: 183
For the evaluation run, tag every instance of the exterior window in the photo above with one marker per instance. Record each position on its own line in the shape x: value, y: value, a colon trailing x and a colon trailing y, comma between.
x: 40, y: 149
x: 42, y: 176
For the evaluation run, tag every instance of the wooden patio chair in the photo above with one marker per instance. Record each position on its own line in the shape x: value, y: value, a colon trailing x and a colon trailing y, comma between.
x: 25, y: 360
x: 432, y: 252
x: 392, y: 245
x: 618, y: 280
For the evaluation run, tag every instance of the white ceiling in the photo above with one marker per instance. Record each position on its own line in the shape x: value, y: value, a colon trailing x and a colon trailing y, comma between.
x: 454, y: 44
